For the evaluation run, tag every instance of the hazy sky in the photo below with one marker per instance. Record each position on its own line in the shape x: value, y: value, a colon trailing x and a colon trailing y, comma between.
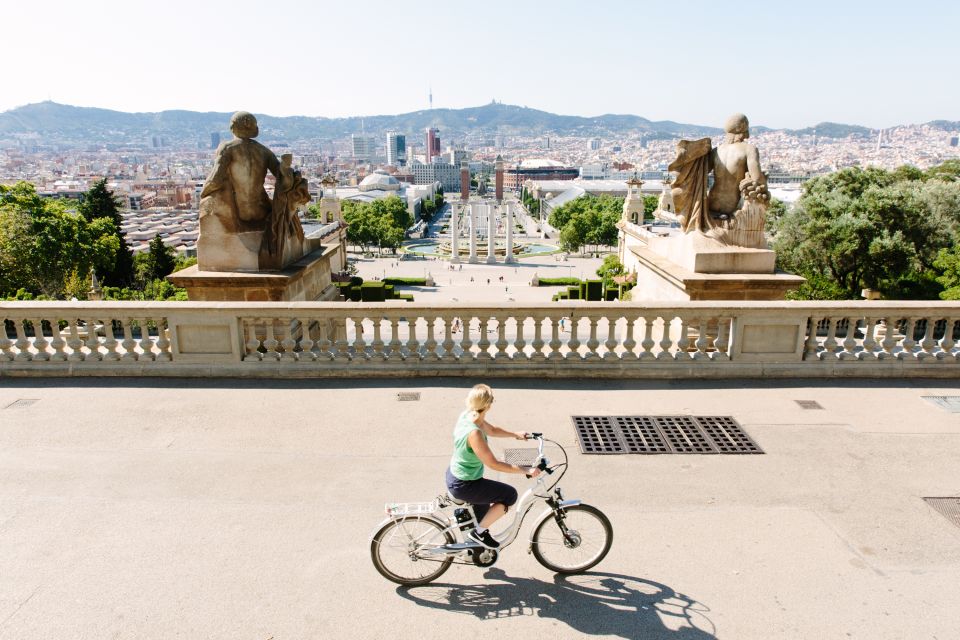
x: 791, y: 64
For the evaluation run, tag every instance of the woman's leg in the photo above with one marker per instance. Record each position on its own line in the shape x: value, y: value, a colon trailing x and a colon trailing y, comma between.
x: 494, y: 513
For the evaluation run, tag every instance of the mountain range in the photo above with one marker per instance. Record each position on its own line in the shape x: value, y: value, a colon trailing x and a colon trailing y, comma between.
x: 61, y: 123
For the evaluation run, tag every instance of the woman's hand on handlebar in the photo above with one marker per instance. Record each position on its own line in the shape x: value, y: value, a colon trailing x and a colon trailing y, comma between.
x: 521, y: 435
x: 532, y: 472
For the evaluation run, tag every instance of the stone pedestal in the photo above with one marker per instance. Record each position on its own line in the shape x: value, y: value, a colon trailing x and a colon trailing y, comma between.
x: 305, y: 280
x: 695, y: 267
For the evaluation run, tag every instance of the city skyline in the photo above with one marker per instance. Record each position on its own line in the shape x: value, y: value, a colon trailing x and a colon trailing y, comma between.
x: 876, y: 65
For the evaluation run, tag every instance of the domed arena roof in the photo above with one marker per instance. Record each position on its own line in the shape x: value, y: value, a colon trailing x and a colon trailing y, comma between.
x: 379, y: 180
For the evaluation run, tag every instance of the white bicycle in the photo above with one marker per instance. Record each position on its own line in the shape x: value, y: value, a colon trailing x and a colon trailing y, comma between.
x: 419, y: 541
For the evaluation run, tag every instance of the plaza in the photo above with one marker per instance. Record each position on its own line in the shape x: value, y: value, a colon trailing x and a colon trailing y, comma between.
x: 228, y: 508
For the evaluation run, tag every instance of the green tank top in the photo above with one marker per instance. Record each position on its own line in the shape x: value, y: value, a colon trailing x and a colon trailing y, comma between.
x: 465, y: 464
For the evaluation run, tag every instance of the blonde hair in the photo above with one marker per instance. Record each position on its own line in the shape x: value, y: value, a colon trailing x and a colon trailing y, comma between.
x: 479, y: 399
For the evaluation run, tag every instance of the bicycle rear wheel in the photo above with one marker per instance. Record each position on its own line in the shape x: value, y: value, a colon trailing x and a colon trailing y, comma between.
x: 397, y: 550
x: 579, y: 543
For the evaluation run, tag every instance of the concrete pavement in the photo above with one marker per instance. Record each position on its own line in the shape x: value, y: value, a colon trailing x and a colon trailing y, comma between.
x: 241, y: 509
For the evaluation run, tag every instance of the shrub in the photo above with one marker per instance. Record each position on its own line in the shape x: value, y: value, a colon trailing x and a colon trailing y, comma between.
x: 372, y: 292
x: 593, y: 290
x: 573, y: 293
x: 356, y: 281
x: 388, y: 292
x: 405, y: 296
x: 610, y: 294
x: 354, y: 294
x: 410, y: 282
x: 558, y: 282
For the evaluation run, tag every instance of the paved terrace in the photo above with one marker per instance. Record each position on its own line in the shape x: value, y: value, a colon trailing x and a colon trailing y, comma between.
x: 242, y: 509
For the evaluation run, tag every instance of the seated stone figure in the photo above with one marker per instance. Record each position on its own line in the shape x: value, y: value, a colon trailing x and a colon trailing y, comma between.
x: 734, y: 209
x: 241, y: 229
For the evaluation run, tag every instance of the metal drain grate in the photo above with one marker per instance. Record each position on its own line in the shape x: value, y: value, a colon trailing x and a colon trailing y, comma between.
x: 949, y: 508
x: 597, y: 434
x: 950, y: 403
x: 809, y: 404
x: 662, y: 434
x: 22, y: 402
x: 408, y: 396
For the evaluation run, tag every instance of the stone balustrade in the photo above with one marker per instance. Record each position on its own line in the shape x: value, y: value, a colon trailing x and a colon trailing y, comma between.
x: 613, y: 339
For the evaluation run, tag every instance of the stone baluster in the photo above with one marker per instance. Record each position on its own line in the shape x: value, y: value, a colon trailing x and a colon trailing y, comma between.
x: 666, y: 342
x: 947, y: 342
x: 253, y: 341
x: 271, y: 343
x: 40, y: 343
x: 869, y: 350
x: 128, y: 344
x: 683, y: 343
x: 74, y: 342
x: 928, y: 343
x: 289, y: 342
x: 574, y: 342
x: 377, y: 343
x: 22, y: 343
x: 6, y: 353
x: 648, y: 342
x: 722, y: 343
x: 849, y: 345
x: 484, y: 343
x: 610, y: 344
x: 109, y: 341
x: 58, y: 343
x: 413, y: 345
x: 502, y: 344
x: 908, y: 343
x: 359, y: 343
x: 592, y: 342
x: 812, y: 345
x: 538, y: 343
x: 93, y: 340
x: 519, y: 343
x: 830, y: 344
x: 889, y: 338
x: 629, y: 342
x: 306, y: 340
x: 340, y: 340
x: 163, y: 340
x: 702, y: 343
x: 556, y: 340
x: 466, y: 344
x: 325, y: 339
x: 430, y: 344
x: 396, y: 350
x: 448, y: 342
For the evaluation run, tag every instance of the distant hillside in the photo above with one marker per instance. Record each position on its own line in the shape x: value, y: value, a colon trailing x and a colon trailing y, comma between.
x: 60, y: 122
x: 833, y: 130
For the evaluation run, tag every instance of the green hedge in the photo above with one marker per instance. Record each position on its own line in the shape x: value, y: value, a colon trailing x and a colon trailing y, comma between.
x: 611, y: 294
x: 558, y: 282
x: 405, y: 296
x: 354, y: 294
x: 410, y: 282
x: 592, y: 290
x: 573, y: 293
x: 372, y: 292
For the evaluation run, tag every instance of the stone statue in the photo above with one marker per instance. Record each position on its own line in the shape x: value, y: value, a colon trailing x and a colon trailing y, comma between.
x: 240, y: 228
x: 290, y: 193
x: 733, y: 211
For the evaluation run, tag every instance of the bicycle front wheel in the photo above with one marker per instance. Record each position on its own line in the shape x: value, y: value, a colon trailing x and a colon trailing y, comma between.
x: 398, y: 550
x: 574, y: 541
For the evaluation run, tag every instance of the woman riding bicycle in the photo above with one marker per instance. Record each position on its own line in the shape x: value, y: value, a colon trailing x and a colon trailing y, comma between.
x: 465, y: 481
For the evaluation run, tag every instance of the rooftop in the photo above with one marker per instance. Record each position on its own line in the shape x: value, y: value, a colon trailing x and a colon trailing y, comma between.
x: 230, y: 508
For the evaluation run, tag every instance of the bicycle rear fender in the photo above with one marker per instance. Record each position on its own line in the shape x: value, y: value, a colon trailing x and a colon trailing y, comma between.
x: 387, y: 520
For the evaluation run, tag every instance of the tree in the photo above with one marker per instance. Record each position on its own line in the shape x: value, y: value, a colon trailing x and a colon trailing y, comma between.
x: 99, y: 202
x: 158, y: 262
x: 650, y: 204
x: 610, y: 268
x: 45, y: 248
x: 593, y: 220
x: 868, y: 228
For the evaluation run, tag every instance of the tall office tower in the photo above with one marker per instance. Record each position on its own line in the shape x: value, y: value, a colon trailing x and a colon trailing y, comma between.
x: 363, y: 147
x: 396, y: 149
x: 214, y: 139
x: 594, y: 144
x: 433, y: 143
x: 955, y: 141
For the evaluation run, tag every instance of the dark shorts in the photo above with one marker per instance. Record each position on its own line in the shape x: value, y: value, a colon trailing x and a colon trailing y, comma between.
x: 481, y: 493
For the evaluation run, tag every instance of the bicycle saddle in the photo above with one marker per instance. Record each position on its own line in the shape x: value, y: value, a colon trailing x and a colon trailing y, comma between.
x: 456, y: 501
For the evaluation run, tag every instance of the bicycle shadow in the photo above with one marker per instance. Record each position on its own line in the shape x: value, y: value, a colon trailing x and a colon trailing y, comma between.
x: 591, y: 603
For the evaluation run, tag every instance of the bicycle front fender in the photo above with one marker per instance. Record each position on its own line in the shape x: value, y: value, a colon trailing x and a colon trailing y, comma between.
x: 548, y: 512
